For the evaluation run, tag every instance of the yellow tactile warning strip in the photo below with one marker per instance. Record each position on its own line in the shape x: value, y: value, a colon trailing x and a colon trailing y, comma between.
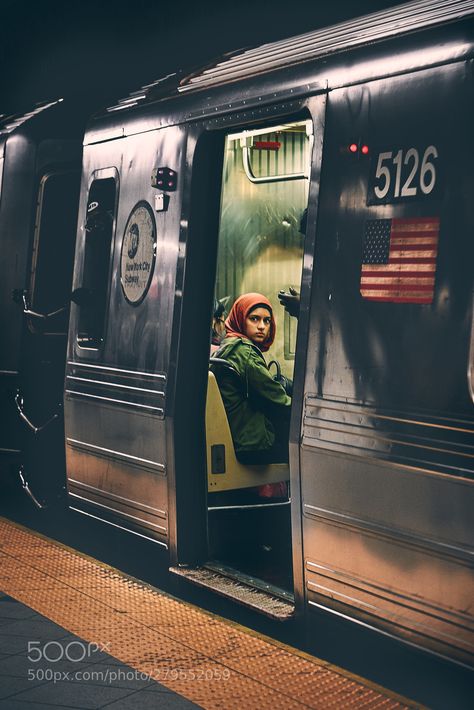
x: 213, y: 663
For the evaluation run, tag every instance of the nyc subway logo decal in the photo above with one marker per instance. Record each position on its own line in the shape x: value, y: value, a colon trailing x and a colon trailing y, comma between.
x: 138, y: 253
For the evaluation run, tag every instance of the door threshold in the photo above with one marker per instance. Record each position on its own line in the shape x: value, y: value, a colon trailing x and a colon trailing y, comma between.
x: 216, y: 565
x: 272, y: 602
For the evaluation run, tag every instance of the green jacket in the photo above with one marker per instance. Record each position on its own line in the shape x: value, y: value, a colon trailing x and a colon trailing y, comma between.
x: 251, y: 398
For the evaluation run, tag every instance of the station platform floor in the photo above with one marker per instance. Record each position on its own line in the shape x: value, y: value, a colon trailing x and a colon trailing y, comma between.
x: 76, y: 633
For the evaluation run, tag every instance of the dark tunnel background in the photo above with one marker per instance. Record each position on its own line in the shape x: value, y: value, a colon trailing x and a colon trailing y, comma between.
x: 93, y: 52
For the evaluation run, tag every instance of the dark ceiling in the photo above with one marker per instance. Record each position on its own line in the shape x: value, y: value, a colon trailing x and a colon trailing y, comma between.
x: 95, y: 51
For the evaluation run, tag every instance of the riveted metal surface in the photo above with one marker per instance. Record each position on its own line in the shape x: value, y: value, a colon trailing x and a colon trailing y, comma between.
x: 213, y: 663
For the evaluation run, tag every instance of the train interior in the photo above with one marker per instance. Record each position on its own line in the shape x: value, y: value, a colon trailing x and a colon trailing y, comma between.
x: 260, y: 249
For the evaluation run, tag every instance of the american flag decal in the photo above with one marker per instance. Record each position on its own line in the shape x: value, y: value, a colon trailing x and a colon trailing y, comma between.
x: 399, y: 260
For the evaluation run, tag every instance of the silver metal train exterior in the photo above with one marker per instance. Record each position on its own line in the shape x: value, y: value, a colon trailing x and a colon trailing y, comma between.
x: 194, y: 188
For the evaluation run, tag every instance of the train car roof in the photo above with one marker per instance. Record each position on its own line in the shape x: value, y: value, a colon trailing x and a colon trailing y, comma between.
x: 256, y: 64
x: 56, y: 120
x: 21, y: 122
x: 10, y: 123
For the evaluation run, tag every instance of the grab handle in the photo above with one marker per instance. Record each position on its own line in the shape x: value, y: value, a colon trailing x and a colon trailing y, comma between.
x: 27, y: 489
x: 268, y: 178
x: 21, y: 412
x: 27, y: 311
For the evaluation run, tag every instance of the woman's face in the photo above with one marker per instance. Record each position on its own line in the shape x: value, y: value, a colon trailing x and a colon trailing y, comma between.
x: 257, y: 325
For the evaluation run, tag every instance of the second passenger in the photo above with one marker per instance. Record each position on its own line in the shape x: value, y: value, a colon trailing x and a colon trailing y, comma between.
x: 257, y: 406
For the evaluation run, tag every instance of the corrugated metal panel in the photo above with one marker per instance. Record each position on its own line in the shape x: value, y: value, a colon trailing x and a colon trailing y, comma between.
x: 163, y: 84
x: 371, y: 28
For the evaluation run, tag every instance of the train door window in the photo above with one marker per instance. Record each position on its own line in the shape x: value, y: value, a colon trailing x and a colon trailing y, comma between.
x: 260, y: 249
x: 97, y: 251
x: 53, y: 247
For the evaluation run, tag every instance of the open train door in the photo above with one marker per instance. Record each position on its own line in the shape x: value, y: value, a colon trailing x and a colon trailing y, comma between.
x: 247, y: 223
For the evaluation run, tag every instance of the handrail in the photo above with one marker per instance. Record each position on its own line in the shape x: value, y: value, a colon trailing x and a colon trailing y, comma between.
x: 269, y: 178
x: 27, y: 311
x: 21, y: 412
x: 27, y: 489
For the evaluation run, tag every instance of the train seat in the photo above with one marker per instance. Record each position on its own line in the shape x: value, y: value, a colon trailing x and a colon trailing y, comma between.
x: 224, y: 471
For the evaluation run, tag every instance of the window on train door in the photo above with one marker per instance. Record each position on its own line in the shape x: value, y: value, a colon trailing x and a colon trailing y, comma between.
x: 53, y: 247
x: 262, y: 220
x: 98, y: 242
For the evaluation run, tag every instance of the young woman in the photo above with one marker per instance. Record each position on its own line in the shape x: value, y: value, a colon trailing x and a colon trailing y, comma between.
x: 257, y: 406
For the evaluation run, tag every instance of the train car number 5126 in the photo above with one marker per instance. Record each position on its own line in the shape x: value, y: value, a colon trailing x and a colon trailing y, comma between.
x: 404, y: 174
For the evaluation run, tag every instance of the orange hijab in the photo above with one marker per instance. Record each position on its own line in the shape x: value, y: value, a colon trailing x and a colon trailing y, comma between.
x: 235, y: 321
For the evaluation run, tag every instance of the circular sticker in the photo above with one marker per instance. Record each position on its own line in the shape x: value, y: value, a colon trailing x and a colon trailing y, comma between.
x: 138, y: 253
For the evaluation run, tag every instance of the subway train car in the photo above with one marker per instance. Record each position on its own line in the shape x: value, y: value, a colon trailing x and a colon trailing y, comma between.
x: 336, y: 163
x: 40, y: 170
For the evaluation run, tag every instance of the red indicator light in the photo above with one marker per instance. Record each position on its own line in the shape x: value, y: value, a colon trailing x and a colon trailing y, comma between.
x: 364, y: 150
x: 267, y: 145
x: 353, y: 147
x: 164, y: 179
